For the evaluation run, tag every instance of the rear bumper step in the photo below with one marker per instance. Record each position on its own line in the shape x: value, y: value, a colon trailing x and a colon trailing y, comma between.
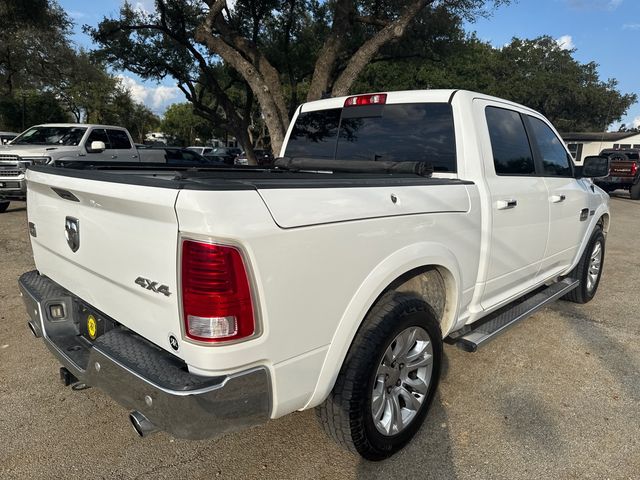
x: 143, y: 377
x: 498, y: 322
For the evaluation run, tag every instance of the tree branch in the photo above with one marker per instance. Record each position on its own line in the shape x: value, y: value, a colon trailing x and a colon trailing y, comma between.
x: 370, y: 48
x: 328, y: 56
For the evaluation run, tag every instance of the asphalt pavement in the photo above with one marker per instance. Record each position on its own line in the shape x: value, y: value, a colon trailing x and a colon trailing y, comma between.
x: 557, y: 396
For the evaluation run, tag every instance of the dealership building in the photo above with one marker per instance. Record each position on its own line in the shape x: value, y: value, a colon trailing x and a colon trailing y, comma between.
x: 582, y: 145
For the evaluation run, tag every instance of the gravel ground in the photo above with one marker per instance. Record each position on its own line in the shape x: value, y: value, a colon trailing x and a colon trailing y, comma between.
x: 558, y: 396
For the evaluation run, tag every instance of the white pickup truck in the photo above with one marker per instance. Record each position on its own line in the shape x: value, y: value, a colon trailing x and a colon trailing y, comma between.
x: 205, y: 301
x: 48, y: 143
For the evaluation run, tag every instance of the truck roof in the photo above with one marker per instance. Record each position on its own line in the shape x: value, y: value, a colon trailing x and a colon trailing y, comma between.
x: 408, y: 96
x: 77, y: 125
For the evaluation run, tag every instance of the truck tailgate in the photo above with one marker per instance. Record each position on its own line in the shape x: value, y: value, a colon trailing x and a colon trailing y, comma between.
x: 621, y: 168
x: 125, y: 232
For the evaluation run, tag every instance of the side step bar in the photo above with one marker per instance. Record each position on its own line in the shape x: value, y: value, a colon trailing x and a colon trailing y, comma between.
x: 477, y: 334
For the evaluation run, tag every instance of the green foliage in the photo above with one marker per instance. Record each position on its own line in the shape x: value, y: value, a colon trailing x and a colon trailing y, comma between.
x: 182, y: 123
x: 27, y: 108
x: 536, y: 73
x: 44, y: 79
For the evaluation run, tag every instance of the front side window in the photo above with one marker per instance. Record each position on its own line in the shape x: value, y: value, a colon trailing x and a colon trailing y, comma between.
x: 98, y: 135
x: 412, y: 132
x: 509, y: 142
x: 555, y: 161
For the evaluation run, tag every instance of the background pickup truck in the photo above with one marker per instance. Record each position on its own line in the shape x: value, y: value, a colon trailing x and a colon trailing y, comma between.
x: 624, y: 172
x: 210, y: 300
x: 51, y: 143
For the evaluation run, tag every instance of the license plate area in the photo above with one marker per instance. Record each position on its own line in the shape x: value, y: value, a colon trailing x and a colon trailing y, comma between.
x: 92, y: 323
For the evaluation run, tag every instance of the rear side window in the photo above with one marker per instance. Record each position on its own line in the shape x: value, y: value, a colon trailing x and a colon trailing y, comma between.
x: 119, y: 139
x: 509, y: 142
x: 417, y: 132
x: 555, y: 160
x: 98, y: 135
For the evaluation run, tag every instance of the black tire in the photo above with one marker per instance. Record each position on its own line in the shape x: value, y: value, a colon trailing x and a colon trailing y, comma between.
x: 346, y: 415
x: 634, y: 191
x: 584, y: 294
x: 4, y: 205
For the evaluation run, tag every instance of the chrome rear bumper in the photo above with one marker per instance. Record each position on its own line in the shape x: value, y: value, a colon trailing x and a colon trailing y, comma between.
x: 143, y: 377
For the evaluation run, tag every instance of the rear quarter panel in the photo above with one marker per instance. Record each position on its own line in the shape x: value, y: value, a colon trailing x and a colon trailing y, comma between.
x: 314, y: 284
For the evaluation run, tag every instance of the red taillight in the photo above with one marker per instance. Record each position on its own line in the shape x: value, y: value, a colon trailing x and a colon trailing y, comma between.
x: 216, y: 298
x: 375, y: 99
x: 634, y: 169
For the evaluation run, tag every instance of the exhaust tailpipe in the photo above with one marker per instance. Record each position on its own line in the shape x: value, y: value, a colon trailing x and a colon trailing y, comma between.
x: 34, y: 329
x: 141, y: 424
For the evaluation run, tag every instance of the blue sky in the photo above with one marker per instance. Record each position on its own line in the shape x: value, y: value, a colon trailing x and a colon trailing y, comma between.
x: 604, y: 31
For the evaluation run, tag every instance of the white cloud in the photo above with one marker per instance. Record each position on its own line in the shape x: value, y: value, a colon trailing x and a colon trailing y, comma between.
x: 145, y: 6
x: 636, y: 122
x: 631, y: 26
x: 565, y: 42
x: 157, y: 97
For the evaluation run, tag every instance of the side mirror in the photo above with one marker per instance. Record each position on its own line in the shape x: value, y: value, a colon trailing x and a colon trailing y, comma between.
x: 593, y: 167
x: 97, y: 147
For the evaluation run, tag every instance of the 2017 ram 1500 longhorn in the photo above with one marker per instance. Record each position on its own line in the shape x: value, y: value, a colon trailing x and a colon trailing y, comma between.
x: 207, y: 301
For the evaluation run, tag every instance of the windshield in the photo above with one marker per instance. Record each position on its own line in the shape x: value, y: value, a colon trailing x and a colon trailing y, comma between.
x: 416, y: 132
x: 69, y: 136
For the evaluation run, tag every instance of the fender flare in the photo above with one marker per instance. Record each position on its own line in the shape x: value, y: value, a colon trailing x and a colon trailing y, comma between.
x: 384, y: 274
x: 595, y: 218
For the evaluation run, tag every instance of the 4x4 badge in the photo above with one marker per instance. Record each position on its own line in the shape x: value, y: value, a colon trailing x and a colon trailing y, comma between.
x: 72, y: 233
x: 153, y: 286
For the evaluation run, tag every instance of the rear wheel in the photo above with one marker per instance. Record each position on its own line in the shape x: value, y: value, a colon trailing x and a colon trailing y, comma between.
x: 388, y: 380
x: 589, y: 269
x: 4, y: 204
x: 634, y: 191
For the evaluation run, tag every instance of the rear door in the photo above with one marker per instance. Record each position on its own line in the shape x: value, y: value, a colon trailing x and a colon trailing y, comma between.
x: 126, y: 232
x: 120, y: 142
x: 518, y: 203
x: 568, y: 198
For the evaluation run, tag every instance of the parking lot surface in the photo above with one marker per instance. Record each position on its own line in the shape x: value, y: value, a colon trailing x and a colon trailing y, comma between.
x: 558, y: 396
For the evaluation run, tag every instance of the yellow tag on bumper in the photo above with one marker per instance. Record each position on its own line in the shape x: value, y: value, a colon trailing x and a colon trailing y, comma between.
x: 92, y: 327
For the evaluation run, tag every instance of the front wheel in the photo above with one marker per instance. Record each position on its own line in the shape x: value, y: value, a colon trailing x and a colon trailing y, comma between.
x: 589, y: 269
x: 4, y: 204
x: 388, y: 380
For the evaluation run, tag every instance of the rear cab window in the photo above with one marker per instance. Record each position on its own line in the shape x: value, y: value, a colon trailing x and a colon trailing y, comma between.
x: 408, y: 132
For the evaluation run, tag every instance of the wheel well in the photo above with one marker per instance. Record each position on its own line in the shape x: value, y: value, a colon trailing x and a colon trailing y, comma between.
x: 603, y: 222
x: 436, y: 285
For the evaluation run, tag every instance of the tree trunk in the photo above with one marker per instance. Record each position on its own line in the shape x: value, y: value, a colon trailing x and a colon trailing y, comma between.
x: 365, y: 54
x: 271, y: 112
x: 327, y: 58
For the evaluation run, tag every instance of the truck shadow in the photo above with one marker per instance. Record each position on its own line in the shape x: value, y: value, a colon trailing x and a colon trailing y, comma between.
x: 622, y: 364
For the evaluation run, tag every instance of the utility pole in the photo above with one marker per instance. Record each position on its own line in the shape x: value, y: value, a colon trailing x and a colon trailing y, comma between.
x: 24, y: 108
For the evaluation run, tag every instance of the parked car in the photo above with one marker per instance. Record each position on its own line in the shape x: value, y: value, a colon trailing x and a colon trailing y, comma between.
x: 201, y: 150
x: 263, y: 157
x: 209, y: 301
x: 6, y: 137
x: 177, y: 156
x: 225, y: 154
x: 624, y: 172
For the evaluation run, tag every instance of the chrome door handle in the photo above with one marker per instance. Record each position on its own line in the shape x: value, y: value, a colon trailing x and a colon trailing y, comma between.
x: 506, y: 204
x: 114, y: 156
x: 558, y: 198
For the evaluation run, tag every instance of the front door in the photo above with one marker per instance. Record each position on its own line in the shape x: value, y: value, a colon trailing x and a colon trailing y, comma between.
x: 568, y: 198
